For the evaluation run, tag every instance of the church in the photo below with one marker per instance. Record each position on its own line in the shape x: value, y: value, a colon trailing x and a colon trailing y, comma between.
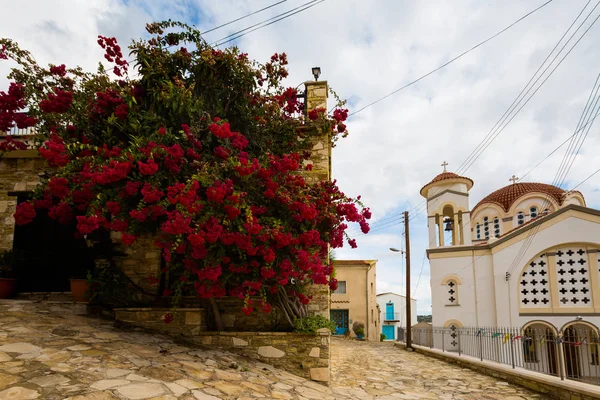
x: 526, y: 256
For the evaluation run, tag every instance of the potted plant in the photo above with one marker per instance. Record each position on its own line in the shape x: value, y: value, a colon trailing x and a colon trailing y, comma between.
x: 8, y: 284
x: 359, y: 329
x: 79, y: 289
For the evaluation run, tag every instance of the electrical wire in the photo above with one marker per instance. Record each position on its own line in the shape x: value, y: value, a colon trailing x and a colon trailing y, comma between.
x: 245, y: 16
x: 451, y: 61
x: 246, y: 31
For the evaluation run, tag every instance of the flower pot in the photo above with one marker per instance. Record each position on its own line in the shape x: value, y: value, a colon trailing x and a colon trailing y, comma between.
x: 79, y: 287
x: 8, y: 287
x: 359, y: 336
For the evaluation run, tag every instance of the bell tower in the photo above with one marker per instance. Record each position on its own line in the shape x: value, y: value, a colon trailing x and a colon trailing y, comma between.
x: 448, y: 211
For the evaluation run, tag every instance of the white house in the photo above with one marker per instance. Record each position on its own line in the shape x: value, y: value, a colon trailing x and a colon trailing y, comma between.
x: 393, y: 313
x: 525, y: 256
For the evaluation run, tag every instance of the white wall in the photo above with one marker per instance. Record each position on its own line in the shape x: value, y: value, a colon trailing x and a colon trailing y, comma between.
x: 399, y: 308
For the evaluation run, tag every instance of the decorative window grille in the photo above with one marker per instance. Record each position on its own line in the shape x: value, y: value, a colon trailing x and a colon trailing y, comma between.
x: 496, y: 227
x: 533, y: 212
x: 520, y: 218
x: 534, y: 286
x: 452, y: 293
x: 478, y: 230
x: 572, y: 271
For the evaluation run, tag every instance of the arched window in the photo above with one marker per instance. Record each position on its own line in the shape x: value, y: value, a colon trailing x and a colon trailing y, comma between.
x: 452, y: 293
x: 520, y: 218
x: 486, y: 227
x: 496, y: 227
x: 534, y: 284
x: 529, y: 346
x: 533, y: 212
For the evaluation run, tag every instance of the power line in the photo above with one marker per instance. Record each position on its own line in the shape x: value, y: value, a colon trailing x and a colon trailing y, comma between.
x: 494, y: 135
x: 241, y: 18
x: 451, y: 61
x: 420, y: 272
x: 524, y: 91
x: 503, y: 122
x: 585, y: 180
x: 246, y: 31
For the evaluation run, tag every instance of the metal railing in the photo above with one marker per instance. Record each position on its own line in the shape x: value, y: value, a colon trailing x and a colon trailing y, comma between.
x: 392, y: 316
x: 572, y: 354
x: 14, y: 131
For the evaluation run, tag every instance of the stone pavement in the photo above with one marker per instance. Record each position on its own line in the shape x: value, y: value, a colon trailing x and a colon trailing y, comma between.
x: 369, y: 370
x: 47, y: 352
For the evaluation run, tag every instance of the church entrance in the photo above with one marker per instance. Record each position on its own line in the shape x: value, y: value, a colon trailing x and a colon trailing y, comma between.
x: 572, y: 359
x: 47, y: 254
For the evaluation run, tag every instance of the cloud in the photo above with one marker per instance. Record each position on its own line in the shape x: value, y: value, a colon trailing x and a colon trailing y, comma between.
x: 365, y: 50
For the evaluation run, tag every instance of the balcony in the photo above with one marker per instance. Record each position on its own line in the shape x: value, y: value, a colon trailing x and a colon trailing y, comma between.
x: 391, y: 317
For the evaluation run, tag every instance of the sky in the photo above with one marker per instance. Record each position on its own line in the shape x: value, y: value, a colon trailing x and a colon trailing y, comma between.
x: 367, y: 49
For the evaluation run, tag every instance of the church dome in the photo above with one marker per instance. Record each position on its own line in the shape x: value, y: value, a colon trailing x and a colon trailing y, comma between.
x: 444, y: 176
x: 508, y: 195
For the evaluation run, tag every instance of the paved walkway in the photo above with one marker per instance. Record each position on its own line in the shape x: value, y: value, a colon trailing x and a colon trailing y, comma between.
x: 46, y: 352
x: 369, y: 370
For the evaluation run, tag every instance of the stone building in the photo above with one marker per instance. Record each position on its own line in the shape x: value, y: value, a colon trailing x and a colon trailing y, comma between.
x: 526, y: 256
x: 355, y: 299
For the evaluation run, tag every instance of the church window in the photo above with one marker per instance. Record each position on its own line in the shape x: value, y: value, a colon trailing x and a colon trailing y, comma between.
x: 529, y: 346
x: 520, y: 218
x: 534, y: 284
x: 478, y: 230
x: 496, y: 227
x: 452, y: 293
x: 572, y: 269
x: 486, y: 227
x: 533, y: 212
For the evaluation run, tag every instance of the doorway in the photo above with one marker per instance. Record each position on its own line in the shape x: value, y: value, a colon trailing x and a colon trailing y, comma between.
x: 340, y: 318
x: 47, y: 254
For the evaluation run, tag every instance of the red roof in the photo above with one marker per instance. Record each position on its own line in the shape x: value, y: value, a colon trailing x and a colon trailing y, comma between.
x: 508, y: 195
x: 445, y: 176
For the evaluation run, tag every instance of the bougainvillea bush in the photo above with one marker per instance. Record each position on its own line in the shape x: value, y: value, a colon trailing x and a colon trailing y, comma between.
x: 199, y: 148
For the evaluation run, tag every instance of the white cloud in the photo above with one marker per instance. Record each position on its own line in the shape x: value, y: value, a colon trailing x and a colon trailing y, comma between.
x: 365, y: 50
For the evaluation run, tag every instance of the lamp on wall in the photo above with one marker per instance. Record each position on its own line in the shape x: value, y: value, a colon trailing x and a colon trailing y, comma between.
x: 316, y: 71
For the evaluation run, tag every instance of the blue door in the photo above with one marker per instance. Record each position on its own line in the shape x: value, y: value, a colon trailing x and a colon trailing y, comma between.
x: 340, y: 317
x: 388, y: 331
x: 389, y: 312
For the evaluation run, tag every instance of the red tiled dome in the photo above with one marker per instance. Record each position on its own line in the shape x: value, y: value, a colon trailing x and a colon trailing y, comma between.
x: 507, y: 196
x: 445, y: 176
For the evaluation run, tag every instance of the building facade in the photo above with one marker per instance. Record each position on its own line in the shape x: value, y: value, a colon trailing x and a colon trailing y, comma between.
x: 526, y: 256
x: 355, y: 299
x: 393, y: 314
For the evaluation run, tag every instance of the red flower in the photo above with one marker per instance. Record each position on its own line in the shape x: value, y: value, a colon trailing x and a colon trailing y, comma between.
x: 58, y: 187
x: 313, y: 114
x: 221, y: 152
x: 58, y: 102
x: 148, y: 168
x: 24, y: 214
x: 162, y: 130
x: 122, y: 111
x: 127, y: 239
x: 168, y: 318
x: 114, y: 207
x: 60, y: 70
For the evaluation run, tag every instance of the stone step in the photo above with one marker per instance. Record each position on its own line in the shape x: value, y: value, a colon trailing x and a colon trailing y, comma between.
x: 62, y: 297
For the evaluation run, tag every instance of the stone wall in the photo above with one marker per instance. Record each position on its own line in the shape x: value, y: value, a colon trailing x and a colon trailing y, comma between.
x: 305, y: 355
x: 19, y: 172
x: 186, y: 321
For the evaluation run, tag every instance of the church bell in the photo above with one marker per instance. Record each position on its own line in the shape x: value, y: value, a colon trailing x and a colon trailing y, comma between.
x: 449, y: 226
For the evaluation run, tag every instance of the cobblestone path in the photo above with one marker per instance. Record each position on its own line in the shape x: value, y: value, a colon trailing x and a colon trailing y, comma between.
x: 369, y: 370
x: 46, y: 352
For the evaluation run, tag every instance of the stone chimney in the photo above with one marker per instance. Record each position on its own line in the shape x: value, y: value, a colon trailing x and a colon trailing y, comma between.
x: 316, y: 93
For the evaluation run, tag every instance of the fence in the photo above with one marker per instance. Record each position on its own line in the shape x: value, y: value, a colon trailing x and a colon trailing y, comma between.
x: 571, y: 354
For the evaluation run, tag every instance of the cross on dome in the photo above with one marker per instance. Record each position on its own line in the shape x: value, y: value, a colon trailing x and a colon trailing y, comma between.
x: 444, y: 164
x: 514, y: 179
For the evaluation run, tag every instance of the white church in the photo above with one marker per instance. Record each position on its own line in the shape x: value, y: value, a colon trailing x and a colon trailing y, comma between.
x: 526, y: 256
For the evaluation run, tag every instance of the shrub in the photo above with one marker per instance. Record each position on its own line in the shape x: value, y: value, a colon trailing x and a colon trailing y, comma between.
x: 358, y: 328
x: 382, y: 337
x: 312, y: 324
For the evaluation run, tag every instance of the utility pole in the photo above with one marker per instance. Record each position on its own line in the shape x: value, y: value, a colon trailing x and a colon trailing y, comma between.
x: 408, y: 324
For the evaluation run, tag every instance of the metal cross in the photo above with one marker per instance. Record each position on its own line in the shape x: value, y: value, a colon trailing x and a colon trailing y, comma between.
x: 444, y: 164
x: 514, y: 179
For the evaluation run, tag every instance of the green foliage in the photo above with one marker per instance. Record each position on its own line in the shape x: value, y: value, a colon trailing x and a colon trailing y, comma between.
x: 312, y: 324
x: 382, y: 337
x: 358, y: 328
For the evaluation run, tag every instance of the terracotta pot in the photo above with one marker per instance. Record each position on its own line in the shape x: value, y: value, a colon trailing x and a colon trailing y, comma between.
x: 79, y: 287
x: 8, y: 287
